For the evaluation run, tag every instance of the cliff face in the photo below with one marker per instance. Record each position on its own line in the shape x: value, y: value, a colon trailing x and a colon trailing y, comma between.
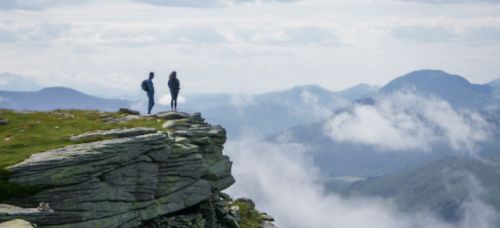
x: 132, y: 177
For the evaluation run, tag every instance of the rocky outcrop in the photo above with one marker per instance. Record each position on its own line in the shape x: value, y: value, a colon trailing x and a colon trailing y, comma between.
x: 8, y: 212
x: 13, y: 211
x: 115, y: 133
x: 133, y: 177
x: 128, y: 111
x: 16, y: 223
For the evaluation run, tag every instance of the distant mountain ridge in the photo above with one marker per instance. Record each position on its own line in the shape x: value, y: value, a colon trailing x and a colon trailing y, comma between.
x: 495, y: 83
x: 443, y: 185
x: 300, y: 105
x: 57, y: 98
x: 454, y: 89
x: 345, y: 158
x: 267, y: 113
x: 358, y: 91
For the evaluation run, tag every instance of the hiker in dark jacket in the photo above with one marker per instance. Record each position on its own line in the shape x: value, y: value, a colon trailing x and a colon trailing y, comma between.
x: 174, y: 86
x: 150, y: 90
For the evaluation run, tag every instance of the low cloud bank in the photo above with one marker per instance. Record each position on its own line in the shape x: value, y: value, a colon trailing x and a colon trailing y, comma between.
x: 313, y: 108
x: 205, y: 3
x: 36, y: 4
x: 283, y: 181
x: 165, y: 99
x: 14, y: 82
x: 241, y: 101
x: 406, y: 121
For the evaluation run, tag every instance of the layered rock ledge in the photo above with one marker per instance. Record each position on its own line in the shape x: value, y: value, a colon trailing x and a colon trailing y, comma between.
x: 132, y: 177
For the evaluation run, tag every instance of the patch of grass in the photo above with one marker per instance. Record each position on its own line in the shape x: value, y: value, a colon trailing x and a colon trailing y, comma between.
x: 250, y: 218
x: 34, y: 132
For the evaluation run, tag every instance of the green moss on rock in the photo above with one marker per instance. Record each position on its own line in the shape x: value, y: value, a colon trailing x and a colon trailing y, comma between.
x: 9, y: 189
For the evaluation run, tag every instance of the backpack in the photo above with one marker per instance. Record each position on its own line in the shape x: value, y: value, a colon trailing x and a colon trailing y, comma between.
x: 144, y: 85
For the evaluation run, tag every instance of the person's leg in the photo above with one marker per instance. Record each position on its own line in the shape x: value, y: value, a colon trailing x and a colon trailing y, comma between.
x: 151, y: 102
x: 171, y: 101
x: 175, y: 101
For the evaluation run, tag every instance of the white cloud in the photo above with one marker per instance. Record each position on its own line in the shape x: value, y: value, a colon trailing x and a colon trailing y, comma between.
x: 13, y: 82
x: 478, y: 214
x: 283, y: 182
x: 458, y: 33
x: 162, y: 102
x: 205, y: 3
x: 45, y: 4
x: 406, y: 121
x: 450, y: 1
x: 164, y: 31
x: 35, y: 4
x: 313, y: 109
x: 241, y: 100
x: 183, y: 3
x: 165, y: 100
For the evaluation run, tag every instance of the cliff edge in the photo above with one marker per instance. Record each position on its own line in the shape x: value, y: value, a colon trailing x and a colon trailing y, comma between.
x: 135, y: 177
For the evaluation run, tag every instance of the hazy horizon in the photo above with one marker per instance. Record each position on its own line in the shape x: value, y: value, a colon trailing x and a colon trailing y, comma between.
x: 8, y: 83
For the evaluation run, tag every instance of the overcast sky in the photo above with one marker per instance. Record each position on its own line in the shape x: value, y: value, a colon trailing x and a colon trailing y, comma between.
x: 107, y: 47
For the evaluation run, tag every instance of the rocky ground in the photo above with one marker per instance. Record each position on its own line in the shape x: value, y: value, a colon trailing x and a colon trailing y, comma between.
x: 132, y: 177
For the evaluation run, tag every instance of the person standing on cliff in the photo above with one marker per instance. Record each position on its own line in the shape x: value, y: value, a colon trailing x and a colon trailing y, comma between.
x: 147, y: 85
x: 174, y: 85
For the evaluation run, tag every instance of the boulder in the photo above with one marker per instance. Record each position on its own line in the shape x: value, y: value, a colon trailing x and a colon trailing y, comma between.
x: 14, y: 215
x: 4, y: 122
x: 172, y: 115
x: 128, y: 111
x: 16, y: 223
x: 266, y: 217
x: 247, y: 201
x: 175, y: 123
x: 13, y: 211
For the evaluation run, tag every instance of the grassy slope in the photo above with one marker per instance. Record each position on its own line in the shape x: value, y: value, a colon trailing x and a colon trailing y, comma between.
x: 34, y: 132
